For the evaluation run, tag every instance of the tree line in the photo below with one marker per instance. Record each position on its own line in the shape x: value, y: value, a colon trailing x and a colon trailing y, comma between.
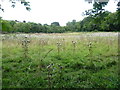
x: 107, y: 21
x: 97, y: 19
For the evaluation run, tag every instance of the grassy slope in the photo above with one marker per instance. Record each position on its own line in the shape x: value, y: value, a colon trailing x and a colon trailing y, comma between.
x: 80, y: 69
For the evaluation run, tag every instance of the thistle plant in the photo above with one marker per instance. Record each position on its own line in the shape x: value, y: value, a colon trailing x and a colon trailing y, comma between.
x: 41, y: 42
x: 49, y: 75
x: 54, y: 72
x: 109, y: 44
x: 60, y: 73
x: 74, y: 46
x: 90, y: 48
x: 25, y: 43
x: 3, y: 38
x: 58, y: 48
x: 63, y: 42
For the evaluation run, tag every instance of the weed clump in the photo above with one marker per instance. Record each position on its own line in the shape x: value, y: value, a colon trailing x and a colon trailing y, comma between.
x: 58, y: 47
x: 25, y: 44
x: 74, y: 46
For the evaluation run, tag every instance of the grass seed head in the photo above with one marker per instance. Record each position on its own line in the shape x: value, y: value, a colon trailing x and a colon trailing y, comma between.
x: 74, y: 42
x: 28, y: 41
x: 59, y: 44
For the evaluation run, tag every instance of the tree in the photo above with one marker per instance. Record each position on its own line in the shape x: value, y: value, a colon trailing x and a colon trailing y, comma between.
x: 87, y: 24
x: 0, y: 24
x: 100, y: 3
x: 97, y: 9
x: 6, y: 27
x: 118, y: 15
x: 22, y: 27
x: 118, y: 8
x: 72, y: 26
x: 55, y: 24
x: 13, y: 4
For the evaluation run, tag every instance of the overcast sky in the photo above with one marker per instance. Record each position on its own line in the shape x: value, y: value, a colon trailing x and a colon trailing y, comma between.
x: 47, y: 11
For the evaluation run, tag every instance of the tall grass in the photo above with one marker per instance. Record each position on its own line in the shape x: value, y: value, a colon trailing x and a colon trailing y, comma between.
x: 83, y: 63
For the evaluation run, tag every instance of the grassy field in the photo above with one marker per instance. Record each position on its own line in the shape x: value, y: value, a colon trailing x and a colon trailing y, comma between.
x: 69, y: 60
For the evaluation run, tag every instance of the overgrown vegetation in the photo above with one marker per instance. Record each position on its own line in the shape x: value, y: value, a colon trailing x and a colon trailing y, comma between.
x: 67, y: 60
x: 60, y: 61
x: 105, y: 22
x: 98, y: 19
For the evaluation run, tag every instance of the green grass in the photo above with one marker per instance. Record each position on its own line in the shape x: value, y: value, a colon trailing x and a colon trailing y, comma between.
x: 80, y: 69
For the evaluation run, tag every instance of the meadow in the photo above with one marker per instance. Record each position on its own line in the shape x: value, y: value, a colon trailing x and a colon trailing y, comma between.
x: 67, y: 60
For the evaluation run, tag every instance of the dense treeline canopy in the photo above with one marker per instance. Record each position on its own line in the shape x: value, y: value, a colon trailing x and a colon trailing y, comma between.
x: 106, y: 21
x: 97, y: 20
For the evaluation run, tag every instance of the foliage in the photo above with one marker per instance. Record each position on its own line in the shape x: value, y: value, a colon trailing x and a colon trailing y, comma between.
x: 97, y: 9
x: 6, y: 26
x: 55, y: 24
x: 13, y: 4
x: 97, y: 20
